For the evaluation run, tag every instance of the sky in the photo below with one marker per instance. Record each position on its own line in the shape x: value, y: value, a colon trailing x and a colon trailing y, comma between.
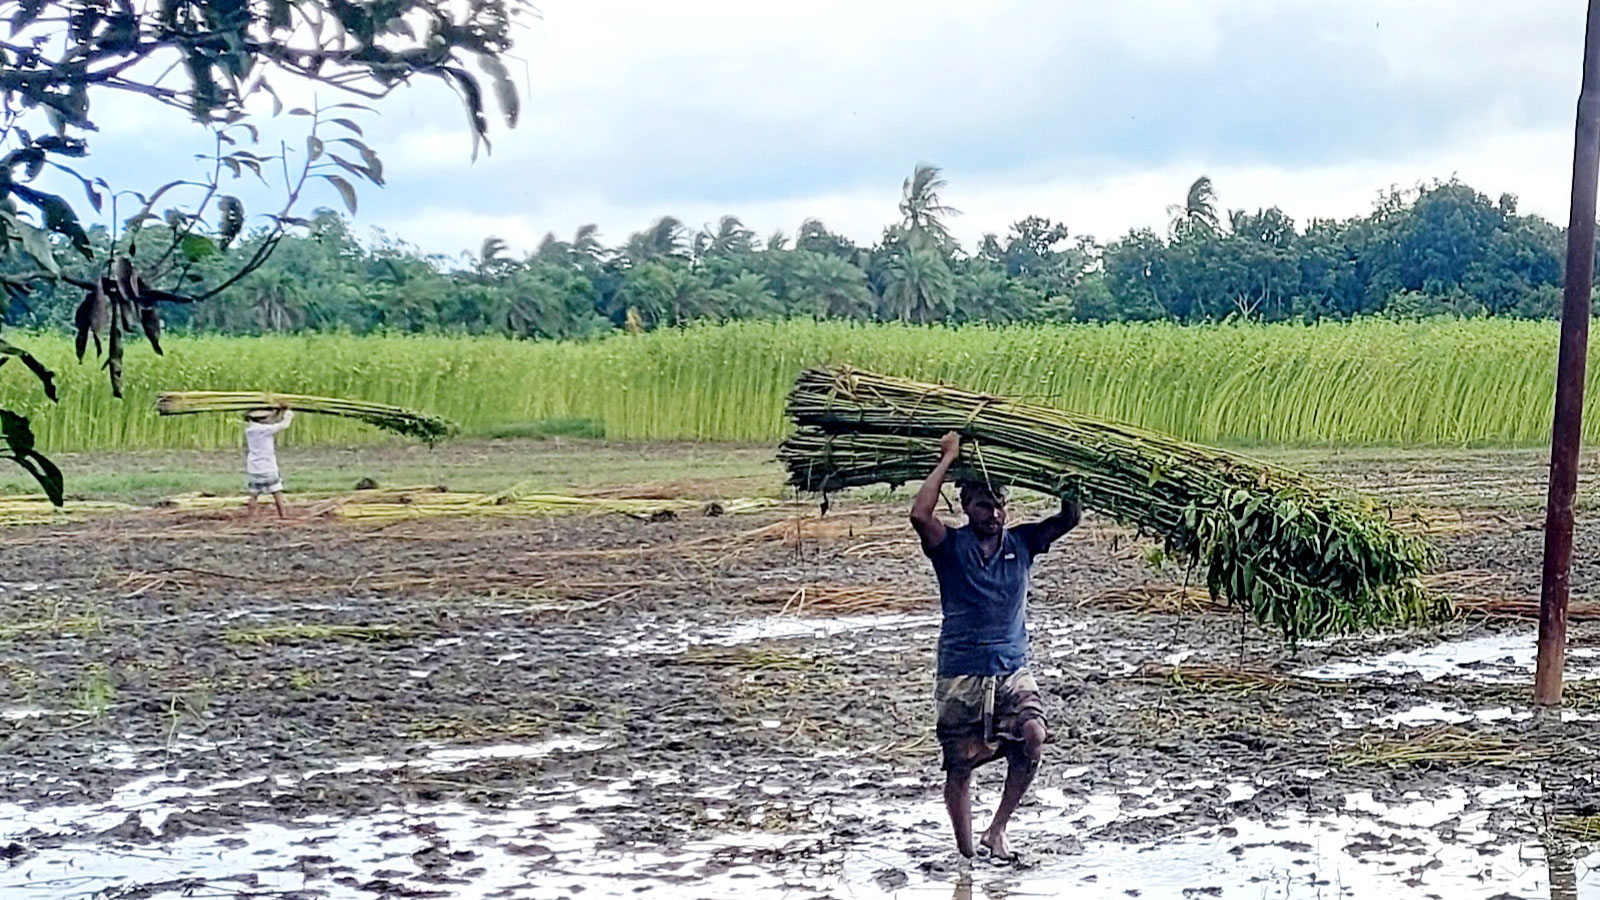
x: 1094, y: 113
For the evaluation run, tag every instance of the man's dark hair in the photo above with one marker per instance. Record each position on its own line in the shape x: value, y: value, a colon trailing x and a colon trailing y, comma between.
x: 973, y: 490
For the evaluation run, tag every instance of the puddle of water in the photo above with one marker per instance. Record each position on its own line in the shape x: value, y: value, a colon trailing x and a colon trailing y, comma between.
x: 455, y: 757
x: 1371, y: 850
x: 160, y: 794
x: 27, y: 587
x: 549, y: 844
x: 683, y: 635
x: 452, y: 758
x: 1496, y: 658
x: 1440, y: 714
x: 268, y: 613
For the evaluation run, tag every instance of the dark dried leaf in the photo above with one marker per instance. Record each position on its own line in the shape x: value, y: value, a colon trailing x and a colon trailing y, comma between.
x: 232, y: 220
x: 114, y: 358
x: 122, y: 271
x: 346, y: 190
x: 45, y: 376
x: 14, y: 429
x: 150, y: 321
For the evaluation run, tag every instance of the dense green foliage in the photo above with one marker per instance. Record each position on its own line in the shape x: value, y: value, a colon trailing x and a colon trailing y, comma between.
x: 1442, y: 249
x: 1439, y: 382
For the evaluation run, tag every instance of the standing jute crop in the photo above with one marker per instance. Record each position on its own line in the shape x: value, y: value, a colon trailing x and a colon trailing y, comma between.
x: 1296, y: 555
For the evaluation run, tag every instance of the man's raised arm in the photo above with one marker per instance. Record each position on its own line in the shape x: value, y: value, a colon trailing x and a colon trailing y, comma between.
x: 923, y: 519
x: 1048, y: 531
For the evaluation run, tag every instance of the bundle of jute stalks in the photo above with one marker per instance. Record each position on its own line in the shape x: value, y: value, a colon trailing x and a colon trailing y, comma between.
x: 1295, y: 554
x: 391, y: 418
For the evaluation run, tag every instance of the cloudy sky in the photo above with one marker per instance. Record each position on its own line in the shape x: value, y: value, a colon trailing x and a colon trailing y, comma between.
x: 1097, y: 113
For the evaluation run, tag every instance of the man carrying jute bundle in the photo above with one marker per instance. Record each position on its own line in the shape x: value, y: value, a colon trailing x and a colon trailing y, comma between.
x: 987, y: 703
x: 261, y: 427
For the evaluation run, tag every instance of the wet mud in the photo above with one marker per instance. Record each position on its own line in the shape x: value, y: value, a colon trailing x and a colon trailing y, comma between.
x: 740, y: 706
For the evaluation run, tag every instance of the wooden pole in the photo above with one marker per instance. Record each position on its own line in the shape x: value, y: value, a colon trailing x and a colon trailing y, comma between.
x: 1568, y: 430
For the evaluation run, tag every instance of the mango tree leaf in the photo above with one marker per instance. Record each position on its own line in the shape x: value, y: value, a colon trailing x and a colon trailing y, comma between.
x: 58, y: 217
x: 35, y: 242
x: 346, y: 190
x: 374, y: 165
x: 45, y: 376
x: 348, y: 166
x: 114, y: 357
x: 150, y: 321
x: 18, y: 436
x: 197, y: 247
x: 232, y: 220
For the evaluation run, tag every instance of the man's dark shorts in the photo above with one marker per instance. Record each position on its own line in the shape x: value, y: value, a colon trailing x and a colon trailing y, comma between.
x: 980, y: 716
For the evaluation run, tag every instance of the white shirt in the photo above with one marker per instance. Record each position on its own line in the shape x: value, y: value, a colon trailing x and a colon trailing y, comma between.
x: 261, y: 454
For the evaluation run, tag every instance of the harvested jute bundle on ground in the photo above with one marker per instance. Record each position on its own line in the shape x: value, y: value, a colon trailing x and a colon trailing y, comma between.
x: 1296, y: 555
x: 391, y: 418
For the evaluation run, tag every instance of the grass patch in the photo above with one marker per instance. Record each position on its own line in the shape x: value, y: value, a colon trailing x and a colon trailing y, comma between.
x: 87, y: 624
x: 746, y: 658
x: 1447, y: 746
x: 308, y: 632
x: 1580, y: 828
x: 95, y: 692
x: 146, y: 476
x: 1202, y: 679
x: 472, y: 728
x: 543, y: 429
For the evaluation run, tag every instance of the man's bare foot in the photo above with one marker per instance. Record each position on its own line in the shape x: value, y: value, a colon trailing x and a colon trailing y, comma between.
x: 995, y: 843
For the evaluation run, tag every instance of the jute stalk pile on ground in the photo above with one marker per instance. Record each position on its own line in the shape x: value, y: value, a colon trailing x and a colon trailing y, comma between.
x: 392, y: 418
x: 1298, y: 556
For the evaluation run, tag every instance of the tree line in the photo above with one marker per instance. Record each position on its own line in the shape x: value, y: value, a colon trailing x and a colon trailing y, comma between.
x: 1440, y: 248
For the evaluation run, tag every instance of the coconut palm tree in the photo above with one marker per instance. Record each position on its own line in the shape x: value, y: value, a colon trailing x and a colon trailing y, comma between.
x: 491, y: 257
x: 553, y: 250
x: 1198, y: 212
x: 918, y: 286
x: 829, y: 287
x: 586, y: 241
x: 664, y: 238
x: 276, y: 302
x: 747, y: 296
x: 923, y: 210
x: 730, y: 237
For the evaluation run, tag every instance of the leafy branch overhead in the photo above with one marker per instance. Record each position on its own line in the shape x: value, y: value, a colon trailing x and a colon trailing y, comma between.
x: 60, y: 60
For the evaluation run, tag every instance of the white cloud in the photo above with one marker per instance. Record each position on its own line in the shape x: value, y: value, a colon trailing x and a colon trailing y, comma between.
x: 1533, y: 165
x: 1095, y: 113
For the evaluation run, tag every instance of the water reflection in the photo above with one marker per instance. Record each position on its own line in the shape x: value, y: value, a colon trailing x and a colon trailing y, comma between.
x: 1563, y: 869
x: 992, y: 890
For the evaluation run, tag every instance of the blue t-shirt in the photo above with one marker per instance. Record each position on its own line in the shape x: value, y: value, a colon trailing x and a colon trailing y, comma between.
x: 985, y: 601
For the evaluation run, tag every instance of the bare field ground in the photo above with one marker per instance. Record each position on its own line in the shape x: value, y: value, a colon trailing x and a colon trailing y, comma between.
x: 196, y: 705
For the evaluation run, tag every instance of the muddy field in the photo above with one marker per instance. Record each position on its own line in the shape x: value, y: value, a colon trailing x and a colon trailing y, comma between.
x: 738, y: 706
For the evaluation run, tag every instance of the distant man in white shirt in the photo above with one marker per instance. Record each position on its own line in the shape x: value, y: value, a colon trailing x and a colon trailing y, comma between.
x: 261, y: 455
